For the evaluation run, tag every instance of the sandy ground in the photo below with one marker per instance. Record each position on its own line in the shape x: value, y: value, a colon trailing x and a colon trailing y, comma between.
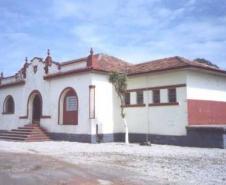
x: 116, y: 163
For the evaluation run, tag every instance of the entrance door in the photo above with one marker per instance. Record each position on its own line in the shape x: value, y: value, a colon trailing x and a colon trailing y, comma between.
x: 37, y: 110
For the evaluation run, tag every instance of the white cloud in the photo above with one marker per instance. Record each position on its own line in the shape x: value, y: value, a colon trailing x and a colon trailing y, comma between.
x: 133, y: 30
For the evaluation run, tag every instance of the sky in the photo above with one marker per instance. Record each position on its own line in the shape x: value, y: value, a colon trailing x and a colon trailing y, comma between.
x: 133, y: 30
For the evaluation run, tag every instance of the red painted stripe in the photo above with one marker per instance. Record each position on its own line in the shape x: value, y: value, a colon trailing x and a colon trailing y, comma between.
x: 204, y: 112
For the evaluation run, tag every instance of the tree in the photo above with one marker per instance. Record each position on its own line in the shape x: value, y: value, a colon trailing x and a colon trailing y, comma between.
x: 119, y: 81
x: 204, y: 61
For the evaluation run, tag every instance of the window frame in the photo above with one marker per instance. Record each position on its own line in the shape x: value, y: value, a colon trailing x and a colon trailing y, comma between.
x: 156, y: 94
x: 172, y: 95
x: 127, y: 98
x: 140, y: 94
x: 7, y: 108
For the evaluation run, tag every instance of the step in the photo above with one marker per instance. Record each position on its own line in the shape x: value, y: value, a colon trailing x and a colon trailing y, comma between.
x: 14, y: 134
x: 27, y: 133
x: 27, y: 128
x: 12, y: 138
x: 31, y: 126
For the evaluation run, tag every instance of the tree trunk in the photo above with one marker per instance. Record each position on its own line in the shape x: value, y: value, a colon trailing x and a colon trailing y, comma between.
x: 126, y: 131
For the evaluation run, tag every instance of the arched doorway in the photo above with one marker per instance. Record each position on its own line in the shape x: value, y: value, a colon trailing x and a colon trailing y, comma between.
x: 36, y: 109
x: 68, y: 107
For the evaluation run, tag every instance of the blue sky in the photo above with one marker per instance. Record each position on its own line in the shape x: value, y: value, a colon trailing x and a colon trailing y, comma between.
x: 134, y: 30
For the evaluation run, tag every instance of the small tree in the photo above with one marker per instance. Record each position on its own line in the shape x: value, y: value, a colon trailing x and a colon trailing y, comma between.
x: 119, y: 81
x: 204, y: 61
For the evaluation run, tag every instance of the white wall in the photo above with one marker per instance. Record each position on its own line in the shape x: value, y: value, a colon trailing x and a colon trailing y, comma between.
x: 206, y: 86
x: 76, y: 65
x: 80, y: 83
x: 157, y: 79
x: 10, y: 121
x: 168, y: 120
x: 165, y: 120
x: 50, y: 91
x: 107, y: 107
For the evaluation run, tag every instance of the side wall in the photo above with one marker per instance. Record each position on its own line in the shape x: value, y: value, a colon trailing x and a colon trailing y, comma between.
x: 11, y: 121
x: 80, y: 83
x: 206, y: 98
x: 163, y: 119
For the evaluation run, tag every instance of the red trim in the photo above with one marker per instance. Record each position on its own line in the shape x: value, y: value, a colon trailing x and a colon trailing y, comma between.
x: 7, y: 77
x: 45, y: 117
x: 92, y: 87
x: 22, y: 82
x: 23, y: 117
x: 162, y: 104
x: 7, y: 113
x: 66, y: 89
x: 134, y: 105
x: 206, y: 112
x: 157, y: 87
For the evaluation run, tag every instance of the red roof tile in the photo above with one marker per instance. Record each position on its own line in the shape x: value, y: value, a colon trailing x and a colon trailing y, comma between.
x: 103, y: 62
x: 168, y: 64
x: 109, y: 63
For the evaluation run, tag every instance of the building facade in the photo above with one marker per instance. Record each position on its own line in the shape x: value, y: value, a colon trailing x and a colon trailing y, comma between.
x: 168, y: 101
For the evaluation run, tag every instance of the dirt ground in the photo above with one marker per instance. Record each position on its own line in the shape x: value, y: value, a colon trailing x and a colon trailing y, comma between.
x: 27, y: 169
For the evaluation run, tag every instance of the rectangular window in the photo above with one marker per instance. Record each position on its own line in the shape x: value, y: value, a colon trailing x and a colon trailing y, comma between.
x: 140, y: 97
x: 92, y: 102
x: 172, y: 95
x: 156, y: 96
x: 127, y: 98
x: 71, y: 103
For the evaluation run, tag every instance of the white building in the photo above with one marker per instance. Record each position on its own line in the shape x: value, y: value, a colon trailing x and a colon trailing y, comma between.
x: 171, y: 100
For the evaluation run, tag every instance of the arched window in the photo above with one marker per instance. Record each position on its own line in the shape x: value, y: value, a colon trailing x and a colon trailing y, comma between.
x: 68, y: 107
x: 8, y: 105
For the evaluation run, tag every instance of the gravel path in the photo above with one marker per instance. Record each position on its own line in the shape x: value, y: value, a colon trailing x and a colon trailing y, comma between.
x: 117, y: 163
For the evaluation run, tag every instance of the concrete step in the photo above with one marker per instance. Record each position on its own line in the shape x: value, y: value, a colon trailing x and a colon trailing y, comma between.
x: 21, y: 130
x: 27, y: 133
x: 14, y: 134
x: 12, y: 138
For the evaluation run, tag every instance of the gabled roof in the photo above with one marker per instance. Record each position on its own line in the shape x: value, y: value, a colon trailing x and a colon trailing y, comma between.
x: 106, y: 63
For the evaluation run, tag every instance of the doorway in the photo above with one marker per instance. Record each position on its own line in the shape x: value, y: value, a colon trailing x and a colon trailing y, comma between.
x: 36, y: 109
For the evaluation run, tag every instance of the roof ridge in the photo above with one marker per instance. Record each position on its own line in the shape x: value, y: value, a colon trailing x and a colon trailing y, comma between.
x: 184, y: 60
x: 104, y: 54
